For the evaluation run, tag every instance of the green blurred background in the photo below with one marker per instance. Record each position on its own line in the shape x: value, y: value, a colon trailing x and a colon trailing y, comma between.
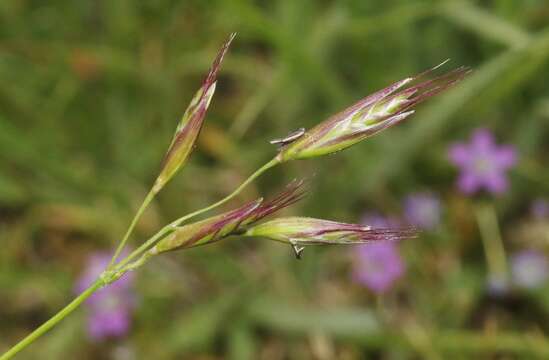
x: 90, y: 94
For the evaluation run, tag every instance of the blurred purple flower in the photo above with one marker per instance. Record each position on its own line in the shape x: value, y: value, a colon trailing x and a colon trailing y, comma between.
x: 529, y: 269
x: 483, y: 163
x: 378, y: 265
x: 498, y: 285
x: 540, y: 209
x: 110, y: 308
x: 378, y: 221
x: 422, y: 210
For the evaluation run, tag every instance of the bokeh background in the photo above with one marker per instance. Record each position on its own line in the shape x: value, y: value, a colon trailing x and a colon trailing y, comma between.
x: 91, y: 91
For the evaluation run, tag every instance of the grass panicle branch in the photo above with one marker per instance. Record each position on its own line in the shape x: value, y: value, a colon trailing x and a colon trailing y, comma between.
x: 367, y: 117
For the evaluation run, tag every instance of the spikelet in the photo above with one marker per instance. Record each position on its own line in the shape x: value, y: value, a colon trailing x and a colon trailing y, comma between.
x: 367, y: 117
x: 191, y: 123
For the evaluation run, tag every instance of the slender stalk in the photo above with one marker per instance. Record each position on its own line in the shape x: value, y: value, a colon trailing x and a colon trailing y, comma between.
x: 237, y: 191
x: 166, y: 229
x: 52, y: 321
x: 150, y: 196
x: 42, y: 329
x: 492, y: 243
x: 125, y: 265
x: 143, y: 247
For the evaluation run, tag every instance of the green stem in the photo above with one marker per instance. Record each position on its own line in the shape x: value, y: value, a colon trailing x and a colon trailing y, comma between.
x: 237, y: 191
x: 150, y: 196
x: 166, y: 229
x: 84, y: 295
x: 492, y: 242
x: 121, y: 266
x: 52, y: 321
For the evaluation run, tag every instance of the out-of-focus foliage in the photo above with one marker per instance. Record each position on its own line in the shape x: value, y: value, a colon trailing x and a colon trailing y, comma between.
x: 90, y: 92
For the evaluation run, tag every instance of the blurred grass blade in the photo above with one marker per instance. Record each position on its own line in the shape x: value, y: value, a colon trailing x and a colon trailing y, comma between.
x: 356, y: 325
x: 242, y: 345
x: 292, y: 318
x: 485, y: 24
x: 395, y: 19
x: 197, y: 328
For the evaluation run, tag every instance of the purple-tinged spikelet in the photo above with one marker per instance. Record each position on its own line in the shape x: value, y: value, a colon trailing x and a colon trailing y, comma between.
x: 367, y: 117
x: 294, y: 192
x: 229, y: 223
x: 309, y: 231
x: 191, y: 123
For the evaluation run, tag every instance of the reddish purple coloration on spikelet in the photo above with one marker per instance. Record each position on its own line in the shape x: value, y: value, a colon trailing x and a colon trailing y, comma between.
x: 368, y: 116
x: 191, y: 123
x: 483, y: 163
x: 305, y: 231
x: 110, y: 308
x: 230, y: 223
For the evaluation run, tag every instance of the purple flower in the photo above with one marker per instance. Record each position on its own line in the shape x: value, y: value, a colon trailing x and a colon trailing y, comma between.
x: 422, y: 210
x: 378, y: 265
x: 378, y: 221
x: 529, y: 269
x: 540, y: 209
x: 110, y: 308
x: 498, y: 285
x: 483, y: 163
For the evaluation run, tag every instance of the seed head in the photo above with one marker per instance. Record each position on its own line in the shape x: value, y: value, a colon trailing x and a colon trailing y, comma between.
x: 189, y: 127
x: 230, y: 223
x: 367, y: 117
x: 305, y: 231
